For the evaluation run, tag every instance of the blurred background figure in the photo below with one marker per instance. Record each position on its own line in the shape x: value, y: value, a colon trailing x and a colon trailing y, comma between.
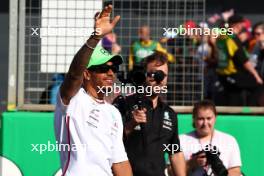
x: 239, y: 79
x: 50, y: 94
x: 207, y: 52
x: 256, y: 47
x: 217, y: 20
x: 109, y: 42
x: 144, y: 47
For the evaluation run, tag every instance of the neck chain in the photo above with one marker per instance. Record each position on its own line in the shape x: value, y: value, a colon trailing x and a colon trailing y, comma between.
x: 99, y: 101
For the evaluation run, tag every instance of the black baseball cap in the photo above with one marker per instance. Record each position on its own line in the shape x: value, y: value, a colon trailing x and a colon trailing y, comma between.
x: 235, y: 19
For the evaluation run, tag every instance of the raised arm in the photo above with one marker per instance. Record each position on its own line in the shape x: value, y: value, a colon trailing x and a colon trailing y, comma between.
x: 74, y: 78
x: 249, y: 67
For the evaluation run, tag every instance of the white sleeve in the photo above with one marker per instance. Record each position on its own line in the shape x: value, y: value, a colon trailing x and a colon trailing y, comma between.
x: 60, y: 115
x: 60, y: 104
x: 119, y: 153
x: 234, y: 157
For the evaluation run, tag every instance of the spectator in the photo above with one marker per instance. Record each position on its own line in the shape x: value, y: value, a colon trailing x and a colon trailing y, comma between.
x: 144, y: 47
x: 150, y: 124
x: 110, y: 44
x: 218, y: 19
x: 57, y: 80
x: 206, y: 138
x: 235, y: 72
x: 207, y: 51
x: 50, y: 94
x: 256, y: 48
x: 244, y: 37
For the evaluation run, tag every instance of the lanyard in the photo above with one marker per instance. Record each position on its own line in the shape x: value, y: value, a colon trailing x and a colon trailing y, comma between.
x: 200, y: 143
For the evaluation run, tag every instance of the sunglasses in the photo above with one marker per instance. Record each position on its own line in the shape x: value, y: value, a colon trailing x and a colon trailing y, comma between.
x: 154, y: 73
x: 257, y: 33
x: 104, y: 68
x: 158, y: 75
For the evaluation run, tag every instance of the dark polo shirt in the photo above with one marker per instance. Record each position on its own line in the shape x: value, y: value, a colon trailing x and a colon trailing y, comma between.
x: 145, y: 145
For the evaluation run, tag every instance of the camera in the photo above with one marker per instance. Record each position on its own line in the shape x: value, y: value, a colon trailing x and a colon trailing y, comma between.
x: 216, y: 163
x: 138, y: 75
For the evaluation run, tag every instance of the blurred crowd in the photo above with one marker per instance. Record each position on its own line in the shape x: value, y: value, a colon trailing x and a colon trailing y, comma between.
x: 233, y: 67
x: 230, y: 66
x: 233, y: 72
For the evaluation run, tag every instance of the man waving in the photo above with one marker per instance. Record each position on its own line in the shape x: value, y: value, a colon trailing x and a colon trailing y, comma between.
x: 87, y: 124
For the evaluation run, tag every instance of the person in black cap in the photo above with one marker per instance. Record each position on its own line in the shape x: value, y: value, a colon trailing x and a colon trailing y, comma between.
x: 236, y: 20
x: 235, y: 72
x: 150, y: 125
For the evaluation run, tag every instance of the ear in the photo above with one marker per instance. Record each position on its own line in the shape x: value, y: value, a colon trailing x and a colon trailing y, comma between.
x: 86, y: 75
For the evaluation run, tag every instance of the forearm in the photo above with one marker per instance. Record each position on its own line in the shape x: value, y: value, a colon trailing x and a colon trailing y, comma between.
x: 249, y: 67
x: 82, y: 57
x: 74, y: 77
x: 178, y: 164
x: 235, y: 171
x: 122, y: 169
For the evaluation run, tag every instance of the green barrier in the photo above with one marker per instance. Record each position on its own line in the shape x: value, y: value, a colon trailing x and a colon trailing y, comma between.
x: 22, y: 130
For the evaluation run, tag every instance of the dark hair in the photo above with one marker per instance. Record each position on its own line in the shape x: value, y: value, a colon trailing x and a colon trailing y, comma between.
x: 159, y: 57
x: 204, y: 104
x: 235, y: 19
x: 257, y: 25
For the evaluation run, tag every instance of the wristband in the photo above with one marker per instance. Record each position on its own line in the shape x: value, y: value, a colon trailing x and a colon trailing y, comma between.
x: 88, y: 46
x: 96, y: 37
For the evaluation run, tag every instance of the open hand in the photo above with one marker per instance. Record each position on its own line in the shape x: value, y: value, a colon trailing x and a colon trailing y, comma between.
x: 103, y: 23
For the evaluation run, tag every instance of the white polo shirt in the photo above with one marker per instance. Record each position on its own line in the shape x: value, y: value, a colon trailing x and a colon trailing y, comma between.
x: 225, y: 143
x: 96, y: 133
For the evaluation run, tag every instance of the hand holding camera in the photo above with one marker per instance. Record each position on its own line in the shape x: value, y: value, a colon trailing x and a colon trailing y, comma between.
x: 139, y: 116
x: 203, y: 158
x: 199, y: 159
